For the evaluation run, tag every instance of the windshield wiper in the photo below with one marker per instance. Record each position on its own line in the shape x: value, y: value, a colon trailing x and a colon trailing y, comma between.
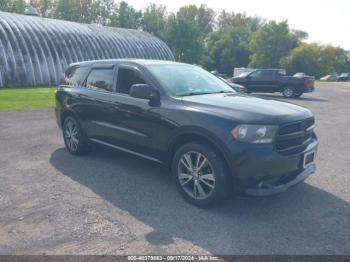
x: 195, y: 94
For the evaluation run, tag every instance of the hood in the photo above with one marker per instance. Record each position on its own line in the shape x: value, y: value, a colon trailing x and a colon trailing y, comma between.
x: 247, y: 109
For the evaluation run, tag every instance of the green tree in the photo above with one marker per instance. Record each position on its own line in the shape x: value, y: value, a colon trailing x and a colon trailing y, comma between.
x: 68, y: 10
x: 202, y: 18
x: 185, y: 32
x: 227, y: 49
x: 270, y: 43
x: 335, y: 59
x: 317, y: 60
x: 43, y: 6
x: 305, y: 58
x: 154, y: 20
x: 125, y: 16
x: 100, y: 11
x: 229, y: 20
x: 183, y: 38
x: 13, y: 6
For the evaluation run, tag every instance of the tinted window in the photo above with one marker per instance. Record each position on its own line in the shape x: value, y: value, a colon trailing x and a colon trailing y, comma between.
x: 100, y: 79
x: 74, y: 75
x: 127, y: 78
x: 268, y: 74
x: 256, y: 74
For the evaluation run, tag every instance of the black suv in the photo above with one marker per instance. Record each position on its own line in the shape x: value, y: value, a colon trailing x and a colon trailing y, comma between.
x: 214, y: 140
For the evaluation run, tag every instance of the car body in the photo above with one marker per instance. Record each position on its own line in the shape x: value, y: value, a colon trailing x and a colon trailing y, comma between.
x: 273, y: 80
x: 329, y: 78
x: 187, y: 119
x: 344, y: 77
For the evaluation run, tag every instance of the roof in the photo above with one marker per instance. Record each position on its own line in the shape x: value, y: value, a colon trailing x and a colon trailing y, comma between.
x: 136, y: 61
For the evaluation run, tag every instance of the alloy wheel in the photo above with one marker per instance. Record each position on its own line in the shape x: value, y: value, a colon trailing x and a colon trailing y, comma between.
x: 196, y: 175
x: 288, y: 92
x: 71, y: 135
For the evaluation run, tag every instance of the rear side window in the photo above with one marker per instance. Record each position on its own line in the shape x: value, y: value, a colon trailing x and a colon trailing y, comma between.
x: 74, y: 75
x: 268, y: 74
x: 100, y: 78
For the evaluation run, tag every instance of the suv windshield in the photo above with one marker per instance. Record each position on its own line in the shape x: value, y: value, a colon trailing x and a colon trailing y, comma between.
x: 186, y: 80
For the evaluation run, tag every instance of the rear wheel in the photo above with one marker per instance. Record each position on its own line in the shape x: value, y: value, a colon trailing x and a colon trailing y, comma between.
x: 74, y: 139
x: 298, y: 94
x: 200, y: 174
x: 288, y: 92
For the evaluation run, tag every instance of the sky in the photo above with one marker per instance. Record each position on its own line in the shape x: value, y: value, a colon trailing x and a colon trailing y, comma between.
x: 326, y: 21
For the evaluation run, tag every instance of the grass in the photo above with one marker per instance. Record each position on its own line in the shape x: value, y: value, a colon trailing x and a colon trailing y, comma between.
x: 19, y: 99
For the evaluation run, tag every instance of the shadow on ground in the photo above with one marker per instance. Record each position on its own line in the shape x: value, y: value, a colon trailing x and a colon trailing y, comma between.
x: 304, y: 220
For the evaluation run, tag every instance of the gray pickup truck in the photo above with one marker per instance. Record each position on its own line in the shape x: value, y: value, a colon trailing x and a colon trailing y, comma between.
x: 274, y: 80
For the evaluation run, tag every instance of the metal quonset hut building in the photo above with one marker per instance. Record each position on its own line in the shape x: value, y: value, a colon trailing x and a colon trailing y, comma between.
x: 35, y: 51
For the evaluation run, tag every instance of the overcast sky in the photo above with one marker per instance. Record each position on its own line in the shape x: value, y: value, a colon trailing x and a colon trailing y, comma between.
x: 326, y: 21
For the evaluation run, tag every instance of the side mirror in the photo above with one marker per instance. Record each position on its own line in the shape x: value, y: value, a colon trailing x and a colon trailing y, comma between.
x: 144, y: 91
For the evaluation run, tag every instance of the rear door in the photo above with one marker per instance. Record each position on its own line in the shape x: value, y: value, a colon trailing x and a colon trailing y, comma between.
x: 263, y: 81
x: 99, y: 109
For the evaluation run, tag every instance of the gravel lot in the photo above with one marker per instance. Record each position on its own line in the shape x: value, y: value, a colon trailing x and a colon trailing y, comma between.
x: 113, y: 203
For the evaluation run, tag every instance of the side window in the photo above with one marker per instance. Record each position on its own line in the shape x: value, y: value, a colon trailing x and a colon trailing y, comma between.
x: 74, y: 75
x: 127, y: 78
x: 100, y: 78
x: 268, y: 74
x: 255, y: 75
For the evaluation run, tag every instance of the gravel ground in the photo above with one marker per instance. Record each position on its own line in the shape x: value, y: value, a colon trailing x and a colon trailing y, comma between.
x: 113, y: 203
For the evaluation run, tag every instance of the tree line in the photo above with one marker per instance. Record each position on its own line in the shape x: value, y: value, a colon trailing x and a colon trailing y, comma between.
x: 199, y: 35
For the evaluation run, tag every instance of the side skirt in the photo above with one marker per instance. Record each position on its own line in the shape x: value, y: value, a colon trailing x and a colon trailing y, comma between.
x: 125, y: 150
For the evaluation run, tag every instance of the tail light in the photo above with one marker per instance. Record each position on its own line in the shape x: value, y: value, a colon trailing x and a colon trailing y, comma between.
x: 306, y: 82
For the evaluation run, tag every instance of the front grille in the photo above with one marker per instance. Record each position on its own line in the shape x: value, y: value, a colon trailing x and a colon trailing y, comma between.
x: 294, y: 137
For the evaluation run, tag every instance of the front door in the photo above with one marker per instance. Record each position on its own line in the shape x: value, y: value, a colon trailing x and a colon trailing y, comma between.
x: 130, y: 123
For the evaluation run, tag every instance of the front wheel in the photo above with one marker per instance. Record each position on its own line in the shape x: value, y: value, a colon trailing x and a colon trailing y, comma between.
x: 200, y: 174
x: 288, y: 92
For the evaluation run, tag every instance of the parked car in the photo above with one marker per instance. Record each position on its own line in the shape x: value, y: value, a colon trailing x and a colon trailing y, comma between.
x: 214, y: 140
x: 238, y: 88
x: 330, y: 78
x: 344, y: 77
x: 273, y: 80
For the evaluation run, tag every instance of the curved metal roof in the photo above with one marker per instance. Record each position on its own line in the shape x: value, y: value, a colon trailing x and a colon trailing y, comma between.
x: 35, y: 51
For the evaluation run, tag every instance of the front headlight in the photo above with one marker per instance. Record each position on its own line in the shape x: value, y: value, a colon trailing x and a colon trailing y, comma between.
x: 259, y: 134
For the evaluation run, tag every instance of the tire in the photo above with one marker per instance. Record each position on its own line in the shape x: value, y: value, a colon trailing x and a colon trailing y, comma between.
x: 288, y: 92
x: 193, y: 186
x: 298, y: 94
x: 74, y: 139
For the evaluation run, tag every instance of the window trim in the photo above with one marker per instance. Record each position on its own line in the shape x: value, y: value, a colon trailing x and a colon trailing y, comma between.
x: 83, y: 78
x: 97, y: 67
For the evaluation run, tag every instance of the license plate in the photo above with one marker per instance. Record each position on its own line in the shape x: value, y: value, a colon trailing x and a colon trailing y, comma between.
x: 309, y: 158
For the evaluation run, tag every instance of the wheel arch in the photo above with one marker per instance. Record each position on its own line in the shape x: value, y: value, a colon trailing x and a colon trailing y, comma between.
x: 196, y: 136
x: 65, y: 114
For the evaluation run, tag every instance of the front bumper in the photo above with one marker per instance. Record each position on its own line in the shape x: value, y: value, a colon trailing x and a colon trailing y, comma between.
x: 265, y: 190
x: 262, y: 169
